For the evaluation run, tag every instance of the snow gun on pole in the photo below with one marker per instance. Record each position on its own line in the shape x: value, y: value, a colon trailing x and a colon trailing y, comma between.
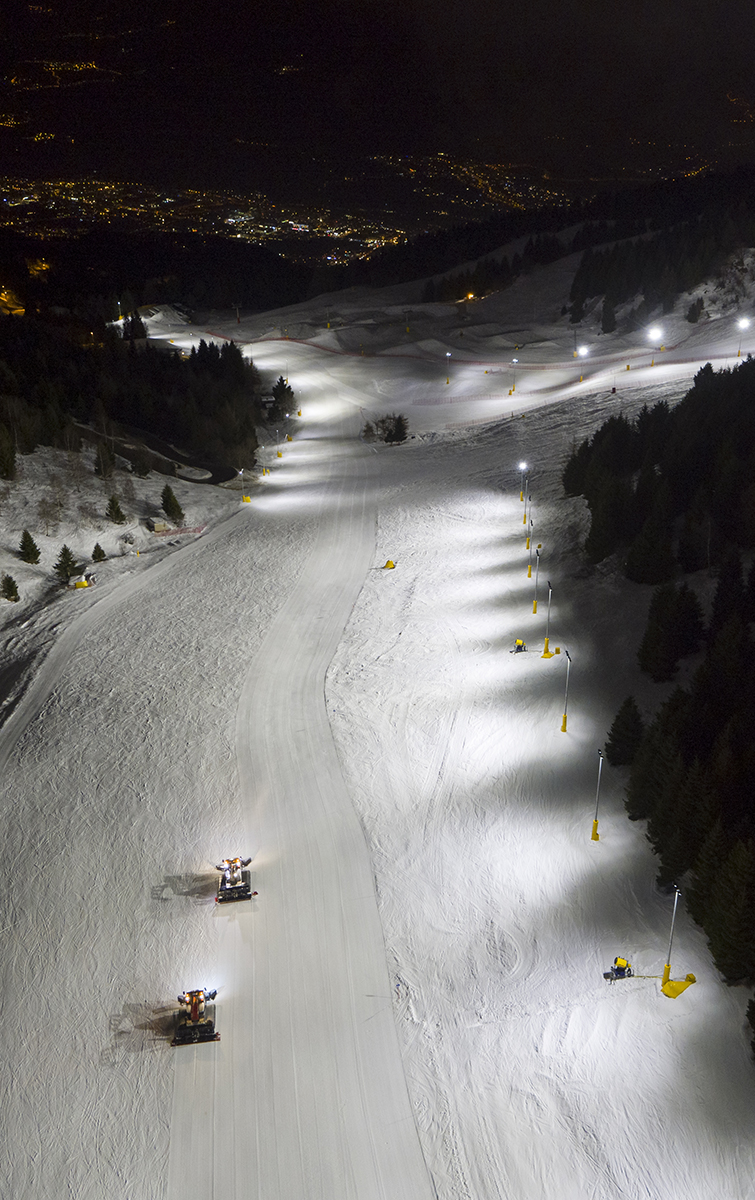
x: 674, y: 987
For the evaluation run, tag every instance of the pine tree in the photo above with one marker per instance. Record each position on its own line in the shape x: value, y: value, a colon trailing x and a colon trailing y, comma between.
x: 114, y: 512
x: 65, y: 567
x: 750, y: 1014
x: 730, y: 596
x: 398, y: 430
x: 171, y: 507
x: 696, y: 814
x: 706, y: 867
x: 730, y: 920
x: 650, y: 558
x: 658, y: 653
x: 656, y: 757
x: 28, y: 549
x: 104, y: 463
x: 625, y: 734
x: 7, y: 454
x: 98, y: 554
x: 8, y: 589
x: 608, y: 317
x: 689, y: 623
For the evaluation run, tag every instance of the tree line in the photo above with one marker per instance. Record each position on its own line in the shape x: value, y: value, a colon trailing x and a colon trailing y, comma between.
x: 673, y: 493
x: 206, y: 403
x: 663, y: 490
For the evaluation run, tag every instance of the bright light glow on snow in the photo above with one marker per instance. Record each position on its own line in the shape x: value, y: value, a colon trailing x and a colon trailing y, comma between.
x: 655, y: 333
x: 369, y: 737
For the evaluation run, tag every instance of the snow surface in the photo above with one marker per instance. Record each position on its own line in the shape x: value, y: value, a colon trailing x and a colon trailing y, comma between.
x: 413, y: 1006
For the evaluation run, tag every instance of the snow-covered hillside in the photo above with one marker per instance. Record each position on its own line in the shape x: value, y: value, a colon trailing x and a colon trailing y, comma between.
x: 414, y: 1003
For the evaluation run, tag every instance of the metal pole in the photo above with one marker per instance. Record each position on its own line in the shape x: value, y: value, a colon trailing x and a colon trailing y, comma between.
x: 547, y: 652
x: 537, y: 576
x: 529, y: 547
x: 667, y: 968
x: 527, y: 501
x: 566, y: 693
x: 595, y: 835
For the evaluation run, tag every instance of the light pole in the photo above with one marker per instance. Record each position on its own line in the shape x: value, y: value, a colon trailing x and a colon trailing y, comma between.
x: 655, y: 333
x: 595, y: 836
x: 547, y: 653
x: 522, y: 469
x: 537, y: 576
x: 743, y: 324
x: 448, y: 366
x: 529, y: 557
x: 566, y: 693
x: 527, y: 501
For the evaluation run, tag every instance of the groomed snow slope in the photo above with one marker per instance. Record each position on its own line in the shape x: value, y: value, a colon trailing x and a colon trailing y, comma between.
x: 183, y: 718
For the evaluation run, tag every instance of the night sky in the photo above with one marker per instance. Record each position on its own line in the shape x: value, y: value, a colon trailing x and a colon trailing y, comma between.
x: 207, y: 91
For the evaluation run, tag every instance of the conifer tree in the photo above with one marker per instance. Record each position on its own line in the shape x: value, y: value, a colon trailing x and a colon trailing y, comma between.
x: 656, y: 757
x: 171, y: 507
x: 706, y: 866
x: 658, y: 654
x: 114, y: 512
x: 397, y: 430
x: 608, y: 317
x: 750, y: 1014
x: 730, y: 595
x: 65, y: 567
x: 28, y: 549
x: 730, y: 920
x: 650, y: 558
x: 8, y: 588
x: 104, y: 462
x: 696, y: 813
x: 625, y: 734
x: 7, y: 454
x: 98, y: 554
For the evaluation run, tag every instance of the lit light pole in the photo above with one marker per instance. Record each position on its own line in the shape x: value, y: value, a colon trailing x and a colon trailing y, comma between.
x: 448, y: 366
x: 547, y: 653
x: 522, y: 469
x: 537, y: 576
x: 743, y: 324
x: 566, y: 693
x: 529, y: 557
x: 595, y: 836
x: 655, y: 333
x: 514, y: 361
x: 527, y: 501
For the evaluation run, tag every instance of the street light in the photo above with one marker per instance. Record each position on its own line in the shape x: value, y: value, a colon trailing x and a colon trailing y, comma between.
x: 583, y: 351
x: 522, y: 468
x: 743, y: 324
x: 537, y: 576
x: 595, y: 836
x: 527, y: 501
x: 566, y: 693
x: 448, y: 366
x: 529, y: 547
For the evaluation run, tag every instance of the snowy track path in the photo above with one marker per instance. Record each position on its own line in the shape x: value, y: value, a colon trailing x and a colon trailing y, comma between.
x: 305, y: 1094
